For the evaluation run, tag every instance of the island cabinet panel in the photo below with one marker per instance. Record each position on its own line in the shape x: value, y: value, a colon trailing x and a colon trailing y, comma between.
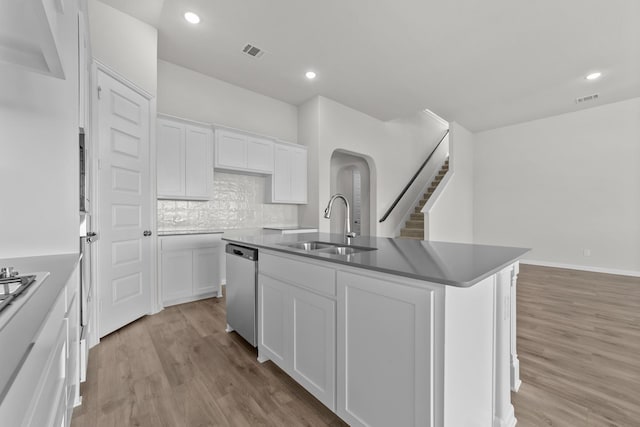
x: 274, y: 324
x: 297, y: 325
x: 385, y: 352
x: 314, y: 343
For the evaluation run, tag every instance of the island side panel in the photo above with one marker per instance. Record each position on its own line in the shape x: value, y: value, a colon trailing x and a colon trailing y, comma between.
x: 515, y: 362
x: 468, y: 355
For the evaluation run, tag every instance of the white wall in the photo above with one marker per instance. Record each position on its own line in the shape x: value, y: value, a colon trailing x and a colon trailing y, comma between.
x: 191, y: 95
x: 564, y: 184
x: 309, y: 135
x: 39, y: 153
x: 451, y: 217
x: 394, y: 150
x: 125, y: 44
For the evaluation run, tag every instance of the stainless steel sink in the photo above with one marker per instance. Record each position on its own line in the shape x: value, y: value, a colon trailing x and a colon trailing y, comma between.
x: 310, y: 246
x: 329, y: 248
x: 346, y: 250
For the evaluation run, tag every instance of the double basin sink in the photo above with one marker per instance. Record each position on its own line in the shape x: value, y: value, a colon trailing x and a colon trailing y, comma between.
x: 329, y: 248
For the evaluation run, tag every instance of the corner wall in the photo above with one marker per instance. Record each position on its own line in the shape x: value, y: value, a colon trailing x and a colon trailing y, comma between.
x: 39, y: 212
x: 393, y: 149
x: 564, y: 184
x: 195, y: 96
x: 124, y: 44
x: 451, y: 217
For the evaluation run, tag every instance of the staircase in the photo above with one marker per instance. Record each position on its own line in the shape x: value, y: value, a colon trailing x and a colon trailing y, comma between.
x: 414, y: 227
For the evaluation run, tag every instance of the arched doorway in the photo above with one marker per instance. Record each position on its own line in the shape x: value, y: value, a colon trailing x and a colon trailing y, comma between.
x: 351, y: 176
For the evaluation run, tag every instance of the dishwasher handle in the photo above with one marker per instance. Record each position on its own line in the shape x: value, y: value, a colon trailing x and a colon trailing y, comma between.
x: 241, y: 251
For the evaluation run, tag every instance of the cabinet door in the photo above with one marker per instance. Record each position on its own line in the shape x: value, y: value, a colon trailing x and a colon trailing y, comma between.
x: 199, y: 167
x: 170, y: 165
x: 231, y: 150
x: 274, y: 324
x: 384, y: 327
x: 206, y: 270
x: 259, y: 155
x: 313, y: 344
x: 177, y: 275
x: 282, y: 174
x: 299, y: 176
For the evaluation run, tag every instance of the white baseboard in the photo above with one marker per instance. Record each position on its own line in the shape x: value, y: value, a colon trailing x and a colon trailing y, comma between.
x: 582, y: 268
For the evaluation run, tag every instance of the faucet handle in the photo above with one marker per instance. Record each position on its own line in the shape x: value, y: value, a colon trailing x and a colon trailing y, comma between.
x: 351, y: 234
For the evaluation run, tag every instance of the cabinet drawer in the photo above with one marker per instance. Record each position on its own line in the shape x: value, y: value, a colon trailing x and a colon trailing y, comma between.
x: 307, y: 275
x: 192, y: 241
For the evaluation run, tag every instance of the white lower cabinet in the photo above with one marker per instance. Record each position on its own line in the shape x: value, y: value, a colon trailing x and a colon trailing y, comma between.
x: 314, y: 344
x: 296, y: 329
x: 190, y: 267
x: 385, y: 352
x: 45, y: 388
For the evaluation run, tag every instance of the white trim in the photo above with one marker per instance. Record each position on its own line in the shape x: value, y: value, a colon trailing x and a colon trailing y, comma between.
x: 122, y: 79
x: 605, y: 270
x: 437, y: 117
x: 183, y: 120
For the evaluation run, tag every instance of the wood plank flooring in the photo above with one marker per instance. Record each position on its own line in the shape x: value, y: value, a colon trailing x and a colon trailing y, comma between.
x: 579, y: 348
x: 179, y: 368
x: 578, y: 344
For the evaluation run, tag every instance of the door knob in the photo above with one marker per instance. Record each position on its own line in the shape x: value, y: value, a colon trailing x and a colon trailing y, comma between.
x: 146, y: 233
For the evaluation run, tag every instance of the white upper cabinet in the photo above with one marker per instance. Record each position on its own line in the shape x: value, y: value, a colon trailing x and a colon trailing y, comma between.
x: 289, y: 180
x: 239, y: 152
x: 184, y: 160
x: 198, y: 168
x: 259, y: 154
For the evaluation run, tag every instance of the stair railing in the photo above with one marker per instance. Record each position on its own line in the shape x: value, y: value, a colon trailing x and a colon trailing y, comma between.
x: 412, y: 180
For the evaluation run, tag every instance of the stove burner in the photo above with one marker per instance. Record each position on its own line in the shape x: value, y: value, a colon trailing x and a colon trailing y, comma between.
x: 12, y: 287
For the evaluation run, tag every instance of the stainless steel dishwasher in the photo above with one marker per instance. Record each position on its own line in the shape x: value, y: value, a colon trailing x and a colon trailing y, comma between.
x: 242, y: 285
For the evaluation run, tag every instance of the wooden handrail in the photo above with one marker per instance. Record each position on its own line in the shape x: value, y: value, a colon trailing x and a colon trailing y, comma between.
x: 415, y: 175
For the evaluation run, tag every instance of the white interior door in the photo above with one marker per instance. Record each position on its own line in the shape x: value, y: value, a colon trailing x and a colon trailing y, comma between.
x: 124, y: 262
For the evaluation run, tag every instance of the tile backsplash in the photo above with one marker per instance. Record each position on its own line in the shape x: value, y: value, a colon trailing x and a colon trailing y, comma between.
x: 238, y: 202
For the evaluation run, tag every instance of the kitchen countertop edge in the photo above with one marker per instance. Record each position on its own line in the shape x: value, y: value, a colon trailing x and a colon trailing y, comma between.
x: 513, y: 255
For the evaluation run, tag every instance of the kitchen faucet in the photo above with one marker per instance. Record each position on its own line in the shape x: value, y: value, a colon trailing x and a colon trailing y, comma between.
x: 347, y: 220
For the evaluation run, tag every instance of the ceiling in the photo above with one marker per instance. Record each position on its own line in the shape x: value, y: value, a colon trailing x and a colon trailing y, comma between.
x: 483, y: 64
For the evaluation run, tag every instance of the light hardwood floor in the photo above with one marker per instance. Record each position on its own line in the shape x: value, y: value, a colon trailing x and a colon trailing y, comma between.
x: 579, y: 350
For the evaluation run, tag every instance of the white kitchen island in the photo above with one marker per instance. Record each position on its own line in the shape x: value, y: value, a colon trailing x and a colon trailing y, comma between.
x: 413, y: 333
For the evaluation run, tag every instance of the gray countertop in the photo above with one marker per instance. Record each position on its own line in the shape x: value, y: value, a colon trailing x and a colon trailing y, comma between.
x: 162, y: 233
x: 453, y: 264
x: 20, y: 322
x: 292, y: 227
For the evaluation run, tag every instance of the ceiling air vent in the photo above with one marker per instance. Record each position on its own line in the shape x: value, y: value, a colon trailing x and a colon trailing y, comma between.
x: 254, y: 52
x: 587, y: 98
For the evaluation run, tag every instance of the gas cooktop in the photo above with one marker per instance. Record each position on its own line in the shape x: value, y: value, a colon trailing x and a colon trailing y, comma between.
x: 12, y: 286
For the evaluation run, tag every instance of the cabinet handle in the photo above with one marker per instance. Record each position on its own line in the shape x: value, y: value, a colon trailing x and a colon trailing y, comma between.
x: 146, y: 233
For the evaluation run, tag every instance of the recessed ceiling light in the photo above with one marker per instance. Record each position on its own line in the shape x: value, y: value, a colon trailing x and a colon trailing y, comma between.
x: 192, y: 17
x: 310, y: 75
x: 594, y: 76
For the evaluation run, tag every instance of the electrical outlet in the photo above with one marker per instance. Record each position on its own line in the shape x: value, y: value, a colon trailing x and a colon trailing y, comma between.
x: 586, y: 252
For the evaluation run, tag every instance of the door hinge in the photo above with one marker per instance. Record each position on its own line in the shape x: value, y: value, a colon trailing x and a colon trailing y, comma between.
x: 99, y: 91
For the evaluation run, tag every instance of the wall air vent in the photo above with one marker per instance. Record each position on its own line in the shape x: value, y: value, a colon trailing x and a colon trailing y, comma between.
x: 251, y: 50
x: 587, y: 98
